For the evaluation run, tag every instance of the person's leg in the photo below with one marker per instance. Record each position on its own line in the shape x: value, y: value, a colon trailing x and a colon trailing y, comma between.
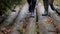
x: 33, y: 4
x: 52, y: 6
x: 32, y: 7
x: 45, y: 7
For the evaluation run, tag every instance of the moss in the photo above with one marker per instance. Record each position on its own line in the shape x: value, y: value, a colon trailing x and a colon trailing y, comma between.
x: 22, y: 2
x: 57, y: 2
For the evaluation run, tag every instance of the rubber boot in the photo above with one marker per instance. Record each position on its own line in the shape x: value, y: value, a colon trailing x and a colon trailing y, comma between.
x: 45, y: 13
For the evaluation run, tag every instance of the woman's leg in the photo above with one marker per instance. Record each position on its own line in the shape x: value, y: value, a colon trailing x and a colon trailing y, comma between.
x: 45, y: 7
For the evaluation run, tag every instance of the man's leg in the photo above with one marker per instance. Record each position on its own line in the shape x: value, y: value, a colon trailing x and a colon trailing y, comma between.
x: 32, y: 7
x: 45, y: 7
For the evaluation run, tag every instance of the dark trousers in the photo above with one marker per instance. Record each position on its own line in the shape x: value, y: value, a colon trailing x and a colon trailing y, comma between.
x: 47, y: 3
x: 32, y: 4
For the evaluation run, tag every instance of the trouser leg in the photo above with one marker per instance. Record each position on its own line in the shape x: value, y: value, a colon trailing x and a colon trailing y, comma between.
x: 52, y: 7
x: 45, y: 4
x: 32, y: 6
x: 45, y: 7
x: 51, y: 4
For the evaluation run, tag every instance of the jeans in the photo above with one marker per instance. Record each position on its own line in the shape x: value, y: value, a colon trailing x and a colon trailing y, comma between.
x: 47, y: 3
x: 32, y: 4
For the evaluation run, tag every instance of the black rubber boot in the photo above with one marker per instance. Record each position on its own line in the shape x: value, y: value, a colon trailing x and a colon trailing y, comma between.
x: 45, y: 13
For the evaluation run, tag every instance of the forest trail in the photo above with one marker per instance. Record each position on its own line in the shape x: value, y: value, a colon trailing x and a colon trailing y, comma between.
x: 20, y: 22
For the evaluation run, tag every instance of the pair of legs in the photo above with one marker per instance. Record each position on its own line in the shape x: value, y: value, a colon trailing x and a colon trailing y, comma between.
x: 32, y: 4
x: 46, y: 4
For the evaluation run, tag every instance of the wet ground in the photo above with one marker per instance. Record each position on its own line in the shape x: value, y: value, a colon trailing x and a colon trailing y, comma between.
x: 20, y: 22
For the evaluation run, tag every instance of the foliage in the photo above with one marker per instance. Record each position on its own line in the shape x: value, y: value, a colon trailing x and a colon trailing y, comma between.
x: 7, y: 4
x: 57, y: 2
